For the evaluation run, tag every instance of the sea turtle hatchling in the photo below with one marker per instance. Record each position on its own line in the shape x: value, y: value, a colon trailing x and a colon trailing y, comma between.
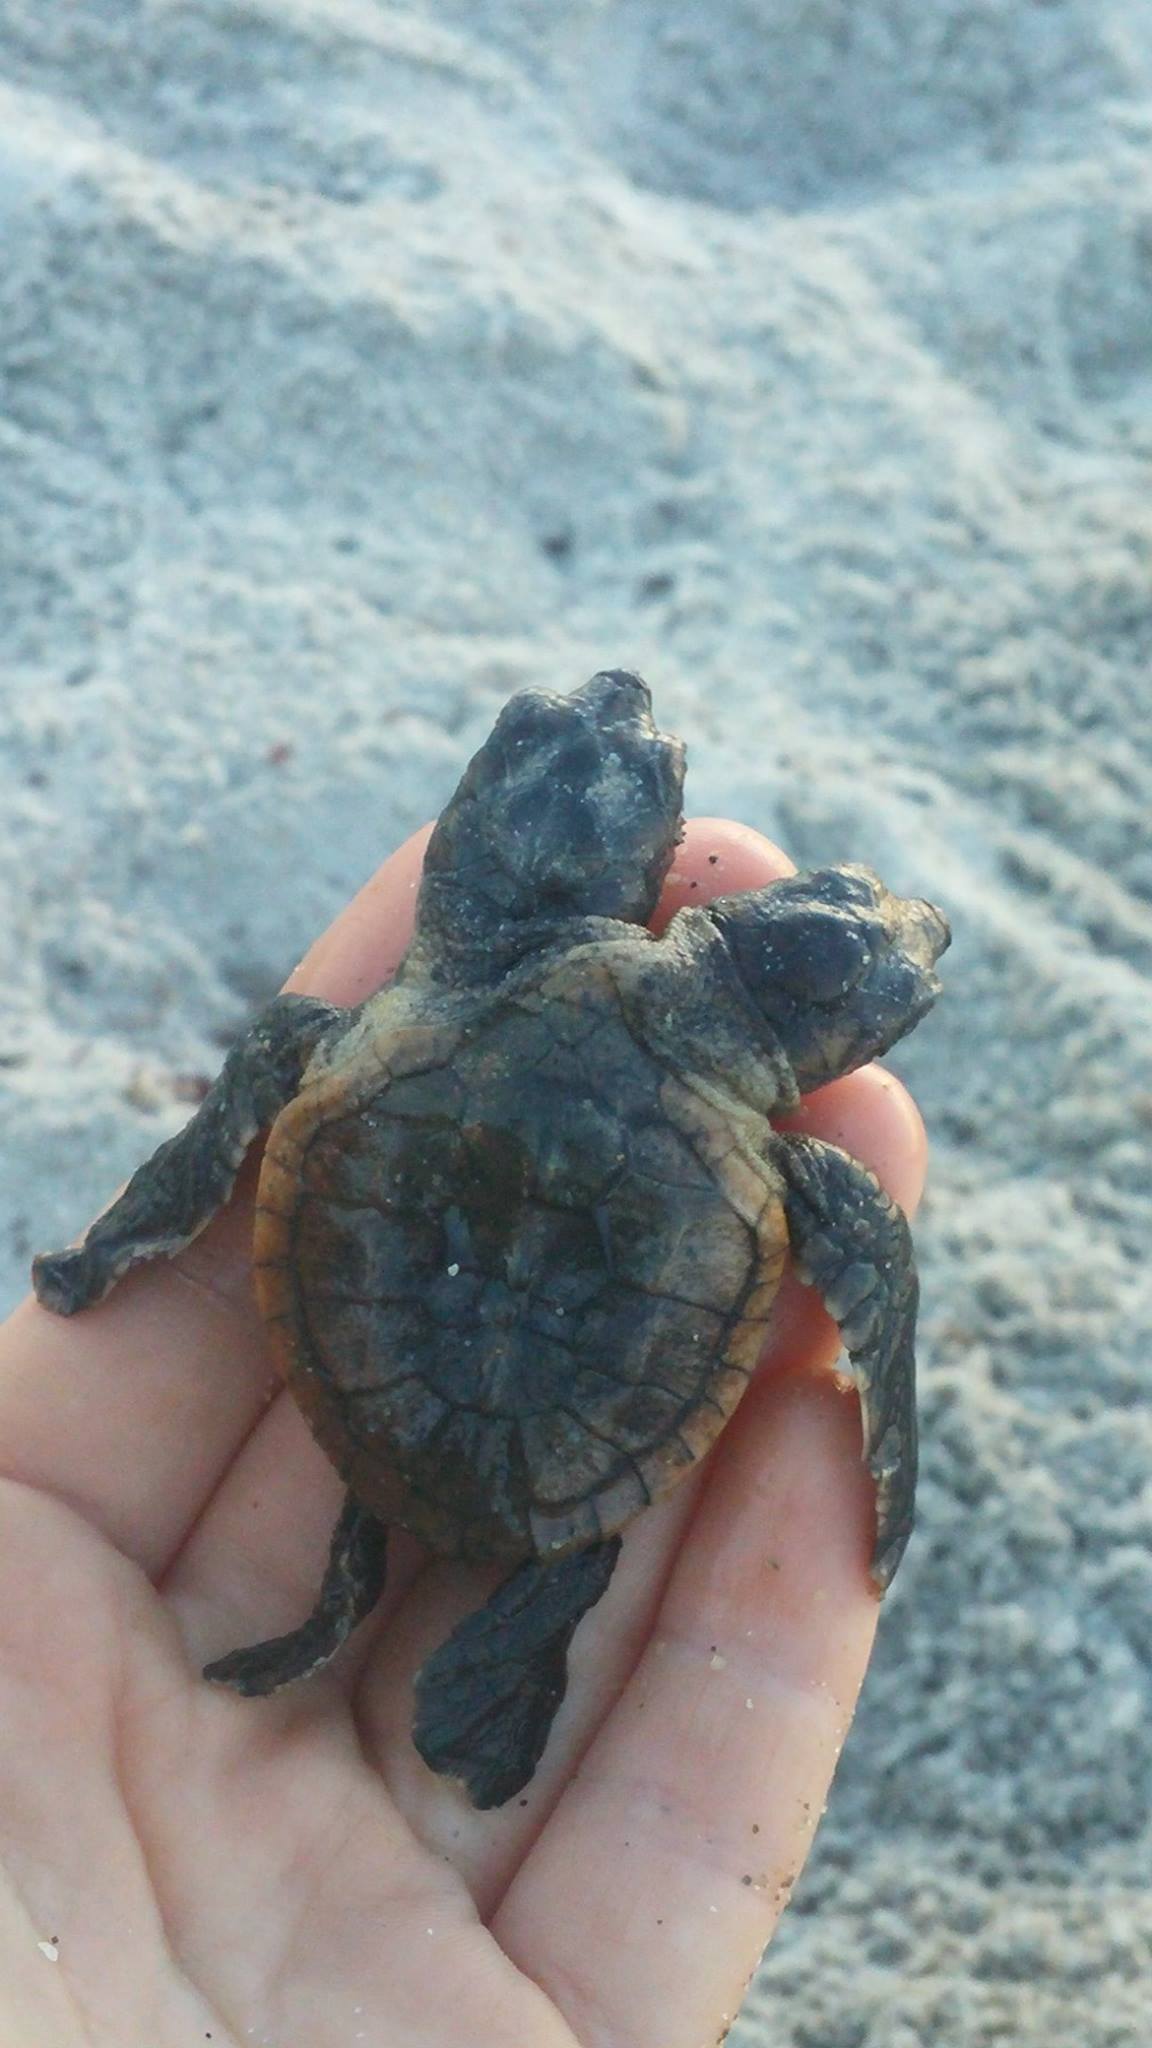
x: 522, y: 1214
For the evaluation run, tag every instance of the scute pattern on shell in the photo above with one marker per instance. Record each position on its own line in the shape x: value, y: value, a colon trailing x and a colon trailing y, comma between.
x: 517, y: 1288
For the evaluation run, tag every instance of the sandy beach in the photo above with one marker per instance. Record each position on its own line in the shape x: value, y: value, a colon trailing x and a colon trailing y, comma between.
x: 362, y: 364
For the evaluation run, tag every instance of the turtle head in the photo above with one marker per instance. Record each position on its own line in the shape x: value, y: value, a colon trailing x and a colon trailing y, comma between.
x: 571, y: 808
x: 837, y: 966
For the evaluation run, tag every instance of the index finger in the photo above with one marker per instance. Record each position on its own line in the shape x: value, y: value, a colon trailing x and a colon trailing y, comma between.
x: 132, y: 1412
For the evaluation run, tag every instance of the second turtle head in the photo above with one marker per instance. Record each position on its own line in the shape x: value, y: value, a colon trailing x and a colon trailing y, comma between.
x: 838, y: 966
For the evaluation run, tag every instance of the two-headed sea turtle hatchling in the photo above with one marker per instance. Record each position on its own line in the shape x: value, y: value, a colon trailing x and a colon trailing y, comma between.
x: 522, y: 1214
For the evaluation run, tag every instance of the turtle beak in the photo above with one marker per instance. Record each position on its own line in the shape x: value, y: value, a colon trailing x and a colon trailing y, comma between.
x: 616, y: 696
x: 903, y: 985
x: 924, y: 930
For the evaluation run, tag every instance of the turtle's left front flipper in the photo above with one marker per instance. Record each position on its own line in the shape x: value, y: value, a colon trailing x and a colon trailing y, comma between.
x: 852, y: 1243
x: 487, y: 1698
x: 174, y: 1194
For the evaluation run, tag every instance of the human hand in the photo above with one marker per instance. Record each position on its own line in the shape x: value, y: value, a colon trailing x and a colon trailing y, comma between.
x: 178, y: 1864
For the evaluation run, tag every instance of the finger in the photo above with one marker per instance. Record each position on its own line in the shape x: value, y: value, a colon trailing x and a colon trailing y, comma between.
x: 253, y: 1563
x: 132, y: 1411
x: 847, y: 1113
x: 645, y: 1905
x: 650, y: 1893
x: 364, y: 946
x: 876, y: 1120
x: 718, y: 857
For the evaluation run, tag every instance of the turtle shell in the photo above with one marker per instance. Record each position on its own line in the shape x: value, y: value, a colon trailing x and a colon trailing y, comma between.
x: 517, y: 1274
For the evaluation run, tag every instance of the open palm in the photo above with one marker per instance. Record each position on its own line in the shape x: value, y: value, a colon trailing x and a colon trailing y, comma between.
x: 178, y: 1864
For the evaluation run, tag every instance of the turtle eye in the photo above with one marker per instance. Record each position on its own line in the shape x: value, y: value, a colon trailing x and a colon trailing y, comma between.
x: 818, y: 954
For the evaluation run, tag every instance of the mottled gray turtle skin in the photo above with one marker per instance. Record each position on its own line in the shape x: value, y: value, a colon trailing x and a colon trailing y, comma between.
x: 522, y: 1215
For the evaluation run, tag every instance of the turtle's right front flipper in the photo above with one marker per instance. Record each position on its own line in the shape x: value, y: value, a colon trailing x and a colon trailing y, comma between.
x: 174, y: 1194
x: 852, y: 1243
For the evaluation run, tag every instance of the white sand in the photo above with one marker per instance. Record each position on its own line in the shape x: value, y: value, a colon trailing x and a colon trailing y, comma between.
x: 360, y: 364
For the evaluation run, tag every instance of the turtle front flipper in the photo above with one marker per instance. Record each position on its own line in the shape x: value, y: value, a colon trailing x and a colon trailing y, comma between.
x: 352, y: 1584
x: 852, y: 1243
x: 571, y: 810
x: 174, y: 1194
x: 487, y: 1698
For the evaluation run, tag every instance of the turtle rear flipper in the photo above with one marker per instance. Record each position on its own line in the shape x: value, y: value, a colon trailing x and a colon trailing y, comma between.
x: 852, y: 1243
x: 487, y: 1698
x: 171, y: 1198
x: 352, y: 1584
